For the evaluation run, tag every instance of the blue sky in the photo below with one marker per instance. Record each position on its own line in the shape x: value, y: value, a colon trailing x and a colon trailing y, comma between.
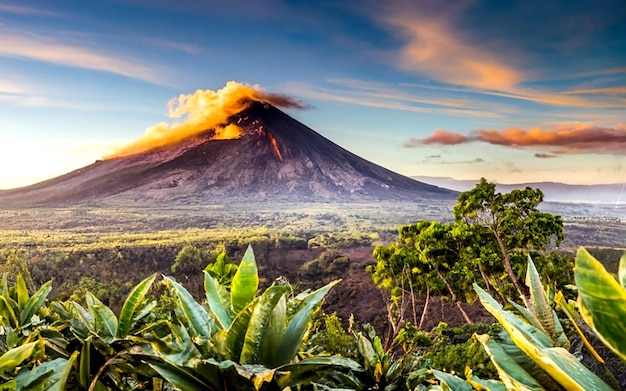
x: 509, y: 90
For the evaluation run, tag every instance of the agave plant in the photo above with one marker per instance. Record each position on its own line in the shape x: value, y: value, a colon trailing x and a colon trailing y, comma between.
x: 244, y: 339
x: 532, y: 355
x: 110, y: 348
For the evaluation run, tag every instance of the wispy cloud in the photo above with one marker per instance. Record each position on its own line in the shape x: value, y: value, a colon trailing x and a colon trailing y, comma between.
x: 385, y: 96
x: 565, y: 138
x: 183, y: 47
x: 436, y: 47
x: 545, y: 155
x: 51, y: 50
x: 25, y: 10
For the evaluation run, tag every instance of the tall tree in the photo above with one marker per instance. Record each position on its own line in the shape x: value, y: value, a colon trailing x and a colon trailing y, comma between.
x: 514, y: 221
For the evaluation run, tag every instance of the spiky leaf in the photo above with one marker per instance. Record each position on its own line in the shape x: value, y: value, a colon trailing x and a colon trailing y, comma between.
x: 510, y: 372
x: 133, y: 302
x: 218, y: 300
x: 196, y: 317
x: 35, y: 302
x: 245, y: 282
x: 602, y: 300
x: 298, y: 325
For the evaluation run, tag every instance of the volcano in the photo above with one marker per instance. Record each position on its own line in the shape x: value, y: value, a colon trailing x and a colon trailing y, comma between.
x: 276, y: 158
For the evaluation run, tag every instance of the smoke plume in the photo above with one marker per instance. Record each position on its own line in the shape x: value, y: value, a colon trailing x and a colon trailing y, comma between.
x: 205, y: 110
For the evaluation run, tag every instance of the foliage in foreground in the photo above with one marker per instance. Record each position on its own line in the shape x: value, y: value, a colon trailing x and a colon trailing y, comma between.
x: 533, y: 354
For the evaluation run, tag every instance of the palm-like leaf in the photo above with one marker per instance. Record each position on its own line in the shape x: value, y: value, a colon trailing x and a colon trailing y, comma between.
x: 218, y: 299
x: 298, y: 325
x: 556, y: 361
x: 245, y: 282
x: 195, y: 316
x: 602, y: 300
x: 134, y: 301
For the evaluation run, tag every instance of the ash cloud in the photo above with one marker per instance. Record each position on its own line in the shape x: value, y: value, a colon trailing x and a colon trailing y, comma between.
x: 565, y: 138
x: 204, y: 110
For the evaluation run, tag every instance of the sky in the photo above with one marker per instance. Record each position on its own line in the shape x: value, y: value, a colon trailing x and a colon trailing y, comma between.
x: 513, y: 91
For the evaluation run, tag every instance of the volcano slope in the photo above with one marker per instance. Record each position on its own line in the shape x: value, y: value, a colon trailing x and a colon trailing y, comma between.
x: 276, y: 158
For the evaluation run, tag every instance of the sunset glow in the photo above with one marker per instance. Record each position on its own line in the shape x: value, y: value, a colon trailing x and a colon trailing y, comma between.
x: 515, y: 92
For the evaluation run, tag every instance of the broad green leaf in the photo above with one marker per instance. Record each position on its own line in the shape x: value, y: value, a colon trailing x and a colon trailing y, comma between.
x: 5, y: 285
x: 86, y: 318
x: 245, y: 282
x: 483, y: 384
x: 366, y: 350
x: 602, y: 300
x: 541, y: 308
x: 622, y: 270
x: 218, y: 300
x: 274, y: 334
x: 196, y: 316
x: 84, y: 364
x: 133, y: 302
x: 7, y: 313
x: 181, y: 377
x: 176, y: 347
x: 557, y: 362
x: 49, y: 376
x: 572, y: 315
x: 235, y: 335
x: 312, y: 370
x: 511, y: 373
x: 259, y: 321
x: 35, y: 302
x: 105, y: 322
x: 299, y: 324
x: 451, y: 382
x: 14, y: 357
x: 22, y: 292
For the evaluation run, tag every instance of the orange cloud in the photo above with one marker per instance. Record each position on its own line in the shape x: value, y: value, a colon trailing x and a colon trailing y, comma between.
x: 434, y: 48
x: 564, y: 138
x: 205, y: 110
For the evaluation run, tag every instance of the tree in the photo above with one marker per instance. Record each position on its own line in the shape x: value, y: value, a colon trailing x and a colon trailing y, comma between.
x: 513, y: 220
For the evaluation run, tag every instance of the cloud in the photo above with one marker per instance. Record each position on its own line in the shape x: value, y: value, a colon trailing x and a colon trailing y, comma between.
x: 435, y: 45
x: 23, y: 10
x: 51, y: 50
x: 434, y: 48
x: 473, y: 161
x: 442, y: 137
x: 564, y: 138
x: 385, y: 96
x: 544, y: 155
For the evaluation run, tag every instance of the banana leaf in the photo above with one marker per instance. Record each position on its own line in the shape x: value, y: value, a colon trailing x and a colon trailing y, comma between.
x: 510, y: 372
x: 49, y: 376
x: 195, y: 316
x: 258, y: 324
x: 451, y: 382
x: 105, y: 322
x: 133, y: 302
x: 219, y: 301
x: 556, y: 361
x: 297, y: 327
x: 602, y: 300
x: 245, y: 282
x: 16, y: 356
x: 34, y: 303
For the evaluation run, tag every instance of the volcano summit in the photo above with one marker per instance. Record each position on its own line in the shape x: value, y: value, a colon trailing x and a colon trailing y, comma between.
x: 273, y: 158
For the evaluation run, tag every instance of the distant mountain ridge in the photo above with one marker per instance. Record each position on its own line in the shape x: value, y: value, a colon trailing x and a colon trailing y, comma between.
x: 613, y: 193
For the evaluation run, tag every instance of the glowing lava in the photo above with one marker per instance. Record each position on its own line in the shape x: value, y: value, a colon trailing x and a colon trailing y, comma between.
x: 275, y: 146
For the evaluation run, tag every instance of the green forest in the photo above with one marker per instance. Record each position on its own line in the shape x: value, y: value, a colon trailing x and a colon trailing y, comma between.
x: 222, y: 314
